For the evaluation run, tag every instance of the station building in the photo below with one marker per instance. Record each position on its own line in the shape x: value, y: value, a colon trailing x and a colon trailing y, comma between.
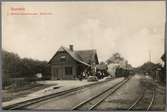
x: 69, y: 64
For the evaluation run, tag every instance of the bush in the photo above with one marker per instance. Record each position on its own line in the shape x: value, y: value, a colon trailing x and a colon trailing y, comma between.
x: 15, y: 67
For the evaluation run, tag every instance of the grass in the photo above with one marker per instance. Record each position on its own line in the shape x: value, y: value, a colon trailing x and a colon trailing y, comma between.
x: 21, y: 92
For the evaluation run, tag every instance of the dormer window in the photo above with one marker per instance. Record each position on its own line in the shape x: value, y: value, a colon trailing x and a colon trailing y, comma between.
x: 62, y: 58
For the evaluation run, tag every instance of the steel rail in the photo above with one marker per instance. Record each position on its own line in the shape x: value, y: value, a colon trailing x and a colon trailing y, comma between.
x: 141, y: 97
x: 116, y: 86
x: 23, y: 104
x: 152, y: 100
x: 101, y: 100
x: 136, y: 101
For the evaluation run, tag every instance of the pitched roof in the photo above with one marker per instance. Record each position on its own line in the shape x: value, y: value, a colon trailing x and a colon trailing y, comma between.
x: 82, y: 56
x: 86, y: 55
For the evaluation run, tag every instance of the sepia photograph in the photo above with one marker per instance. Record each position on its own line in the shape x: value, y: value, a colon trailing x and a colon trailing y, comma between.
x: 83, y: 55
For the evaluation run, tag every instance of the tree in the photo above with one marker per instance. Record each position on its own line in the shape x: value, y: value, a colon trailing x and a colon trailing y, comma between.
x: 163, y: 70
x: 13, y: 66
x: 116, y: 58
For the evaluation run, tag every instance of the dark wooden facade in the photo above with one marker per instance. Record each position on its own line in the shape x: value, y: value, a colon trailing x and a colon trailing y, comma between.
x: 67, y: 64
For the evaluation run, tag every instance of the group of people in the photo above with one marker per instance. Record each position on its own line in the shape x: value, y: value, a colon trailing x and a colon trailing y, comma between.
x: 85, y: 74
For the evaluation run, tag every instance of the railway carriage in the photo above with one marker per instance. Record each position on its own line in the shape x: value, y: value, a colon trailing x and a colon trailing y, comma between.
x: 121, y: 72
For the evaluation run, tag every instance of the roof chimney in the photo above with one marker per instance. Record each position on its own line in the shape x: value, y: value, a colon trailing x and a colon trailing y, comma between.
x: 71, y: 47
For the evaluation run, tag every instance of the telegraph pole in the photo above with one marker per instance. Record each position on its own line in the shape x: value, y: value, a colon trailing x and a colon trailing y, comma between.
x: 149, y: 56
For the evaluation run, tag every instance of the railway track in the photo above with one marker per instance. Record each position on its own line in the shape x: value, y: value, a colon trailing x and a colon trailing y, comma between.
x: 140, y: 98
x: 92, y: 102
x: 22, y: 105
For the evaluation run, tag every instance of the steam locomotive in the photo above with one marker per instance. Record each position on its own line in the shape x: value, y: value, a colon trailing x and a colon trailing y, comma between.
x: 121, y: 72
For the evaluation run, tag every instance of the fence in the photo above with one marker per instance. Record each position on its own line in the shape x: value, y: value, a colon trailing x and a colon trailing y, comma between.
x: 15, y: 83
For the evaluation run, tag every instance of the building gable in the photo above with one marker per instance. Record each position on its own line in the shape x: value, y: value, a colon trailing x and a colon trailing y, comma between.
x: 86, y: 57
x: 62, y: 57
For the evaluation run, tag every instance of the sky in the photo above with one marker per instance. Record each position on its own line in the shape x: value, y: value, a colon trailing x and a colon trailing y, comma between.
x: 134, y: 29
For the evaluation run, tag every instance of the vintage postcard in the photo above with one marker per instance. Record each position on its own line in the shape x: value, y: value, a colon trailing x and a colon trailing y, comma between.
x: 84, y: 55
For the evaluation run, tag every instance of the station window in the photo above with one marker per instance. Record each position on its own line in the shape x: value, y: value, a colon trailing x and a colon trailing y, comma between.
x: 68, y: 70
x: 62, y: 58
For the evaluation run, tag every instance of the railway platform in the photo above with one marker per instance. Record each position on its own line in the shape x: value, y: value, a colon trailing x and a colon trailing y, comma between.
x: 133, y: 93
x: 58, y: 86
